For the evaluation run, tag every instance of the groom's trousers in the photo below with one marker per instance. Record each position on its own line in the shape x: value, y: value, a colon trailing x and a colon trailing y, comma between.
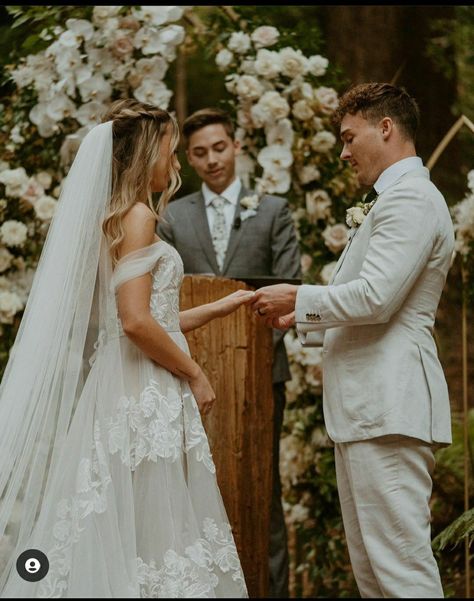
x: 384, y: 488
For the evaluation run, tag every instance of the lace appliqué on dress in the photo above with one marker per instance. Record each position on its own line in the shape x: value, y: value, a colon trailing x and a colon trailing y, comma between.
x: 149, y: 427
x: 194, y: 573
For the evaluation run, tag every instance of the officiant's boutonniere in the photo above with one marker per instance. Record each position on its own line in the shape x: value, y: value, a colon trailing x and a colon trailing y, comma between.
x: 250, y: 205
x: 355, y: 215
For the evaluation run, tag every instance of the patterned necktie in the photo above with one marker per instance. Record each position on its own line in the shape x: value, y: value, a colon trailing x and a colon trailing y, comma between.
x: 219, y: 230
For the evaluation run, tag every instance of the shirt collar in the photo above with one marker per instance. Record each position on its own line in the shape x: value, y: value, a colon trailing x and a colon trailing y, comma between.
x: 231, y: 193
x: 395, y: 172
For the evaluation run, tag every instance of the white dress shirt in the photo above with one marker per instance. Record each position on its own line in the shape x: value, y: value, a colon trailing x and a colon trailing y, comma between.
x: 231, y: 195
x: 396, y: 171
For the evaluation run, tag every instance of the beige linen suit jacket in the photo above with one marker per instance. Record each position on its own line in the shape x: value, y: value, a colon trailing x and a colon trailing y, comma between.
x: 382, y: 374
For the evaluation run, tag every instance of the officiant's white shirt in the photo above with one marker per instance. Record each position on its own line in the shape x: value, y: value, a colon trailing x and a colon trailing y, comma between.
x: 231, y: 194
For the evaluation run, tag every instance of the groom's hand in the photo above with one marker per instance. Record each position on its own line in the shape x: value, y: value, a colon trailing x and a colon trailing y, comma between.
x: 281, y: 323
x: 272, y: 302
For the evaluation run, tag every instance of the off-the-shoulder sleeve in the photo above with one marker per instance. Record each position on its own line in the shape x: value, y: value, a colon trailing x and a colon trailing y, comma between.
x: 137, y: 263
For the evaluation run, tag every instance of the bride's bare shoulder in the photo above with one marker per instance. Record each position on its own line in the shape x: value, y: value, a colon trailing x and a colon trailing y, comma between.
x: 139, y: 224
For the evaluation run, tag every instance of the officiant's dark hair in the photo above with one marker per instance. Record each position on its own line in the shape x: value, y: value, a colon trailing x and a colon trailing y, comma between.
x: 378, y: 100
x: 207, y: 116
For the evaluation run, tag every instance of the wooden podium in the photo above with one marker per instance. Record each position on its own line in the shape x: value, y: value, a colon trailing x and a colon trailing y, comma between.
x: 235, y: 353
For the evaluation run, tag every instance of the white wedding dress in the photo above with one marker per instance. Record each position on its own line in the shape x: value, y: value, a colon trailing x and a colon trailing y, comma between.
x: 132, y: 509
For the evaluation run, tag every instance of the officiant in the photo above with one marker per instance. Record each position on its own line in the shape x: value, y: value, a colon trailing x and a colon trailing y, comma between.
x: 227, y: 230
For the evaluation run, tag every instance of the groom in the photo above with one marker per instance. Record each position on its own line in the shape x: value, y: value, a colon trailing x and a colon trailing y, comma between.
x: 385, y: 396
x: 224, y: 229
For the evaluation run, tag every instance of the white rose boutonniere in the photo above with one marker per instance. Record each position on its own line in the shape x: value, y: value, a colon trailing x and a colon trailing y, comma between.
x: 355, y: 215
x: 250, y: 205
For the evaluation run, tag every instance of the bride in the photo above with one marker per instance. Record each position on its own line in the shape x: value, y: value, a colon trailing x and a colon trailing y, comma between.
x: 104, y: 463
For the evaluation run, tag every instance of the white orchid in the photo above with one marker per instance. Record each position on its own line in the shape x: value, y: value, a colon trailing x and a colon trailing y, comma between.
x: 281, y: 132
x: 275, y: 157
x: 153, y: 92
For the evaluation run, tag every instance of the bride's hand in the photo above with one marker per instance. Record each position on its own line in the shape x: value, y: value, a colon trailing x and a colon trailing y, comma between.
x: 226, y: 305
x: 203, y: 392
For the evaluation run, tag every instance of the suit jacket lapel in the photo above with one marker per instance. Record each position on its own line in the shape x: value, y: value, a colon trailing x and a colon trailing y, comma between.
x: 235, y: 233
x: 419, y: 172
x: 198, y: 218
x: 343, y: 256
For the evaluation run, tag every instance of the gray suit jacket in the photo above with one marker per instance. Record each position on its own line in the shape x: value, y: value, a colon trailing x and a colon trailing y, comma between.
x: 262, y: 245
x: 381, y: 369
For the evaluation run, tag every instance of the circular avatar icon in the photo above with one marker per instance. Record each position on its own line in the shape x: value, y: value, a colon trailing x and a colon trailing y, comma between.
x: 32, y: 565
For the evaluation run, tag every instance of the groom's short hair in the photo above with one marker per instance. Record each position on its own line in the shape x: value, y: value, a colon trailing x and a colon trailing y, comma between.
x: 207, y: 116
x: 378, y: 100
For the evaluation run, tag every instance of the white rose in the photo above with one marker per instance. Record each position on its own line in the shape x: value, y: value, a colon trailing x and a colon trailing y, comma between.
x: 10, y: 304
x: 44, y: 179
x: 259, y: 116
x: 274, y: 105
x: 280, y: 133
x: 45, y: 207
x: 247, y: 67
x: 355, y: 216
x: 239, y: 42
x: 317, y: 65
x: 122, y: 45
x: 293, y: 63
x: 264, y: 36
x: 335, y: 237
x: 34, y: 190
x: 267, y: 63
x: 302, y: 110
x: 323, y: 141
x: 307, y: 91
x: 13, y: 233
x: 309, y: 173
x: 224, y: 58
x: 5, y: 259
x: 318, y: 205
x: 327, y: 271
x: 248, y: 87
x: 328, y: 99
x: 275, y: 157
x: 15, y: 180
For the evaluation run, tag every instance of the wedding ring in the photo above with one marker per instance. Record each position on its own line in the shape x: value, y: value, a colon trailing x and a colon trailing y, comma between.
x: 260, y: 312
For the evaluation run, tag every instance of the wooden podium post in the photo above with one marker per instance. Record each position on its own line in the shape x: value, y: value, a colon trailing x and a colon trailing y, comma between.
x: 235, y: 353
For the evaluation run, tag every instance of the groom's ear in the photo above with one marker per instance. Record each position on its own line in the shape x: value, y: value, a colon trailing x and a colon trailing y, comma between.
x: 386, y: 127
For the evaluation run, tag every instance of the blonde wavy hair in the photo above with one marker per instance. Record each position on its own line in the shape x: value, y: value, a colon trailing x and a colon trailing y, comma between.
x: 138, y: 129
